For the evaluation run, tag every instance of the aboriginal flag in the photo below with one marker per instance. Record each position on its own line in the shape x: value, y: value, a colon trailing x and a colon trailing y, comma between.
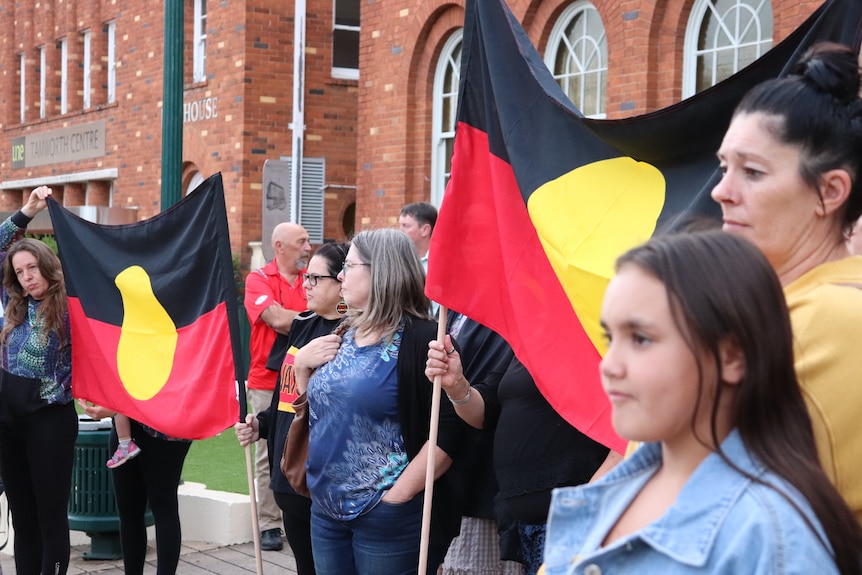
x: 153, y: 311
x: 541, y: 200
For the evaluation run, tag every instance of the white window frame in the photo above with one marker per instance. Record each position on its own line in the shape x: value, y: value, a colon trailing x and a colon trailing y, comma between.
x: 87, y: 68
x: 112, y: 61
x: 594, y: 62
x: 439, y: 136
x: 23, y: 73
x: 338, y: 72
x: 691, y: 53
x: 43, y: 77
x: 64, y: 75
x: 199, y: 41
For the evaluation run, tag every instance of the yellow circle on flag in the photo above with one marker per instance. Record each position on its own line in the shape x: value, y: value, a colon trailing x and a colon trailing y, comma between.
x: 148, y: 337
x: 586, y: 218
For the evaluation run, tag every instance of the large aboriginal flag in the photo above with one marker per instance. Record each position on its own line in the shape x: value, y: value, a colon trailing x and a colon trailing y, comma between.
x: 541, y: 201
x: 153, y: 308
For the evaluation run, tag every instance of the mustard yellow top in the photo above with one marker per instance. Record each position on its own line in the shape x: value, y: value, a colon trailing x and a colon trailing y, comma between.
x: 826, y: 312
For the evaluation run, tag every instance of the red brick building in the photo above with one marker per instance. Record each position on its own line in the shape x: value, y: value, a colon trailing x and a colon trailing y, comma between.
x: 81, y: 91
x: 638, y: 56
x: 81, y: 98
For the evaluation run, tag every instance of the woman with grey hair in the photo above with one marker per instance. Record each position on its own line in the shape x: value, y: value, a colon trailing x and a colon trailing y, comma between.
x: 369, y: 416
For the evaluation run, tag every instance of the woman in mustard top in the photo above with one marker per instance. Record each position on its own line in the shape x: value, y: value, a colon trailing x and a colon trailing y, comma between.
x: 791, y: 169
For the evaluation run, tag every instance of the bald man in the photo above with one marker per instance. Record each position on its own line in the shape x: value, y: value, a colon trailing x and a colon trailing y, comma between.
x: 273, y: 298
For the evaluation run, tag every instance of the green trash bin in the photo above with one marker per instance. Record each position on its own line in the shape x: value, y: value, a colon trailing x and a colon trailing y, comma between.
x: 92, y: 507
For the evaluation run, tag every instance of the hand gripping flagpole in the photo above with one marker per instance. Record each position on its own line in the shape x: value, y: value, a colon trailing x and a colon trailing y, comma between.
x: 432, y: 450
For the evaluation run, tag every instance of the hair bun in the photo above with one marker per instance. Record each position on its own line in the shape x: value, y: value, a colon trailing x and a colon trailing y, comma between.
x: 832, y: 69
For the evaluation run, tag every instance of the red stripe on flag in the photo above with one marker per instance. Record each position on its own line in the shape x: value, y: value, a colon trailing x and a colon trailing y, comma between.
x: 179, y: 409
x: 488, y: 263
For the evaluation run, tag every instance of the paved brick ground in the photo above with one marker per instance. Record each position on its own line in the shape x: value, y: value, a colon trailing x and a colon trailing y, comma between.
x: 196, y: 559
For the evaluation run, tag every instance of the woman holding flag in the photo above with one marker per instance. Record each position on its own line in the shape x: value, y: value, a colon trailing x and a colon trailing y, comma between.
x: 323, y: 290
x: 369, y: 415
x: 38, y: 424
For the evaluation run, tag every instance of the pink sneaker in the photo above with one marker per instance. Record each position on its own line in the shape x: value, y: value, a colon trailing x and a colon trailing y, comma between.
x: 123, y: 455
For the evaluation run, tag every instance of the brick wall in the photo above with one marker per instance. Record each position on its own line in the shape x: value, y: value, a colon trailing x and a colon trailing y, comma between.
x: 375, y: 133
x: 243, y: 108
x: 400, y: 45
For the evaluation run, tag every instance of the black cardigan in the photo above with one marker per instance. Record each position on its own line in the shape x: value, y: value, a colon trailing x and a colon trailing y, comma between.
x: 414, y: 410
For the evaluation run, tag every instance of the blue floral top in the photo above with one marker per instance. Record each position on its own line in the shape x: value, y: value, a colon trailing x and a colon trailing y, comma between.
x: 356, y: 451
x: 27, y: 352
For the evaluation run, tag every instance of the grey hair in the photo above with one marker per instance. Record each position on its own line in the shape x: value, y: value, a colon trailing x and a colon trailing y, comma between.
x: 397, y: 281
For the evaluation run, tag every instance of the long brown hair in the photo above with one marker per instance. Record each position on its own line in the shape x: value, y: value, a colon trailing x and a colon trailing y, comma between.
x: 720, y: 287
x: 53, y: 309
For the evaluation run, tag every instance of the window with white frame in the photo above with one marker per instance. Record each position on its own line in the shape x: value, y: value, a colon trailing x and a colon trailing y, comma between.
x: 345, y: 39
x: 64, y: 75
x: 721, y: 38
x: 111, y: 29
x: 86, y: 69
x: 577, y: 55
x: 444, y: 114
x: 43, y: 76
x: 199, y: 41
x: 22, y: 72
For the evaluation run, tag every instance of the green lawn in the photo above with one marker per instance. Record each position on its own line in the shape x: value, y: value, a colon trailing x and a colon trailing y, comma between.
x: 218, y: 463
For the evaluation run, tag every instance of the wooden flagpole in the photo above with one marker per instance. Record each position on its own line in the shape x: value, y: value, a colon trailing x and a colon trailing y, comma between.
x: 432, y: 449
x: 255, y: 528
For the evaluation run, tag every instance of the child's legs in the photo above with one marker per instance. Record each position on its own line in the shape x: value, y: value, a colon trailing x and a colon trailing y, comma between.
x: 123, y: 426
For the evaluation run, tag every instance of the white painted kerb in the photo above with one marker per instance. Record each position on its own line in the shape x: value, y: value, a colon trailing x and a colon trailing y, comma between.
x: 205, y: 515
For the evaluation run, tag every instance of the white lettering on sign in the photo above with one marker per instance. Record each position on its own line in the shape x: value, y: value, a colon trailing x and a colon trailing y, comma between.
x: 73, y: 143
x: 199, y: 110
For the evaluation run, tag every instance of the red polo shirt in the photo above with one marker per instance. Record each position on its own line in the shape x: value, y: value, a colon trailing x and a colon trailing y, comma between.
x: 264, y: 287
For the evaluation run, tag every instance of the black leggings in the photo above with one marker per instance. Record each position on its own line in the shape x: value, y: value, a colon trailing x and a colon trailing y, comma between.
x: 296, y: 512
x: 151, y: 477
x: 37, y: 452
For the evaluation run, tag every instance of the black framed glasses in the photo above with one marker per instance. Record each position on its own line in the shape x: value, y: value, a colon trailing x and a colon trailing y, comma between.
x: 312, y: 278
x: 346, y: 265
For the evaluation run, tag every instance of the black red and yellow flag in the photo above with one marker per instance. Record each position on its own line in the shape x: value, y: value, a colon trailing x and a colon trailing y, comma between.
x: 153, y: 311
x: 541, y: 200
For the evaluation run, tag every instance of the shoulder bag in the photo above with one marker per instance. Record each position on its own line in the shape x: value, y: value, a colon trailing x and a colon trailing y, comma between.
x: 296, y: 447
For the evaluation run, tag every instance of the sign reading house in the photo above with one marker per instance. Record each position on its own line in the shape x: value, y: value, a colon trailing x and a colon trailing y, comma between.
x: 78, y: 142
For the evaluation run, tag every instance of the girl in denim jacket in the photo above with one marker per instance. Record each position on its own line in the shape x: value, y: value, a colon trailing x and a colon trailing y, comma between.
x: 699, y: 368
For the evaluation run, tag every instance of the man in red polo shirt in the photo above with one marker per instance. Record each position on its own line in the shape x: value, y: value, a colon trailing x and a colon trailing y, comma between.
x: 273, y: 297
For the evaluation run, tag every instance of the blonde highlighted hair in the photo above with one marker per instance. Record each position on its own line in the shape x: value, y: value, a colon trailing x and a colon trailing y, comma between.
x: 397, y: 282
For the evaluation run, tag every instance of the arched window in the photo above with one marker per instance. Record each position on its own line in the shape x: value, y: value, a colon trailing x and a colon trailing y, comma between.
x: 446, y: 80
x: 721, y: 38
x: 577, y: 55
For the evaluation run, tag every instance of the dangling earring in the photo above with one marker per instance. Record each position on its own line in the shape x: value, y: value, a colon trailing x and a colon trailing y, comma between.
x: 341, y: 307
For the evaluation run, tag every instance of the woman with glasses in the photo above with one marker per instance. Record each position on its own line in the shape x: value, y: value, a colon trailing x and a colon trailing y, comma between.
x: 369, y: 415
x: 322, y: 289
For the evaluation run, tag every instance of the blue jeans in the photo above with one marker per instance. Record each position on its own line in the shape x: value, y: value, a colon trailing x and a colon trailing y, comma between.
x: 385, y: 540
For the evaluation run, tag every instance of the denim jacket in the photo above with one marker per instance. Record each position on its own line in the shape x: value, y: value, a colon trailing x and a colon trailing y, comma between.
x: 721, y: 522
